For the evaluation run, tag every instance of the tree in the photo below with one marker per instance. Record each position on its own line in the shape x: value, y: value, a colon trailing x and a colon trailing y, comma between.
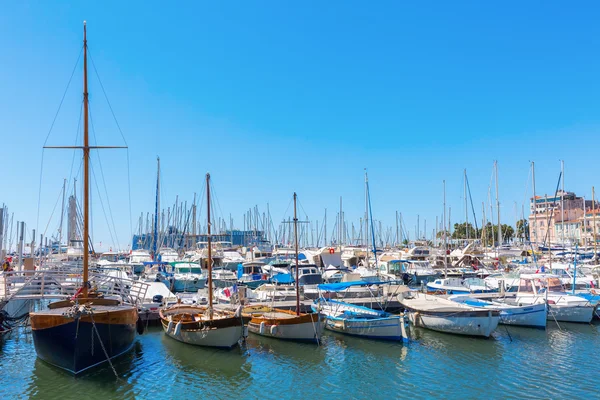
x: 523, y: 229
x: 491, y: 233
x: 460, y: 231
x: 440, y: 234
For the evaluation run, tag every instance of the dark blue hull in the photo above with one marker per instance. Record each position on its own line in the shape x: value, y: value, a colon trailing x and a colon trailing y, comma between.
x: 77, y: 348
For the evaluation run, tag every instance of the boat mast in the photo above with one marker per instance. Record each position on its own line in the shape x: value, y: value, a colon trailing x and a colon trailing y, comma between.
x: 498, y: 207
x: 562, y: 202
x: 296, y: 248
x: 466, y: 209
x: 594, y: 222
x: 535, y: 225
x: 366, y: 219
x: 86, y: 169
x: 156, y: 208
x: 445, y: 236
x: 210, y: 288
x: 62, y: 215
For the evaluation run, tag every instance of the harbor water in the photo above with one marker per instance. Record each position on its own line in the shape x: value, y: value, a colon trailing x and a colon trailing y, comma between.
x: 514, y: 363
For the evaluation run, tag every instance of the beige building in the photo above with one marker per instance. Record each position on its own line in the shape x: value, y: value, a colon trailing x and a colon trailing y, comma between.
x: 560, y: 218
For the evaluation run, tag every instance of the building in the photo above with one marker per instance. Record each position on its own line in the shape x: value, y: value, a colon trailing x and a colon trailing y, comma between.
x: 550, y: 222
x: 176, y: 240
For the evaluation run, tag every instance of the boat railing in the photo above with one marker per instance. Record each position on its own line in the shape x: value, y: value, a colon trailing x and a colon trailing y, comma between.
x: 64, y: 282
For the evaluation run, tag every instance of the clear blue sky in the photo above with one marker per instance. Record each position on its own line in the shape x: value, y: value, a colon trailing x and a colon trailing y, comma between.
x: 273, y: 97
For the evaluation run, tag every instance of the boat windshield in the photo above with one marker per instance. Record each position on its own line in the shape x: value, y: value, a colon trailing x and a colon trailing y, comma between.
x: 525, y: 286
x: 552, y: 284
x: 394, y: 267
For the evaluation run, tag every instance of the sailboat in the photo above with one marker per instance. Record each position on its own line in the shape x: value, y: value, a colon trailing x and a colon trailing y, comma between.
x: 286, y: 324
x: 86, y: 330
x: 200, y: 325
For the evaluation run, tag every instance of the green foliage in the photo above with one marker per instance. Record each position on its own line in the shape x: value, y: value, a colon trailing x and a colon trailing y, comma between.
x: 523, y: 229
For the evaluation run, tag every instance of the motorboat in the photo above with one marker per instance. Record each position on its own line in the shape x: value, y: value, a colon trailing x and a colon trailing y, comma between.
x: 533, y: 315
x: 562, y: 306
x: 459, y: 286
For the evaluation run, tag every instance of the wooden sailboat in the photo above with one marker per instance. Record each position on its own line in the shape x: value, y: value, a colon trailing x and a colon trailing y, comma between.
x: 200, y: 325
x: 87, y: 330
x: 286, y: 324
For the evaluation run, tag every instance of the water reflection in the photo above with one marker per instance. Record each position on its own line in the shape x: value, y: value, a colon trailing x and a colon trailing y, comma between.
x: 50, y: 382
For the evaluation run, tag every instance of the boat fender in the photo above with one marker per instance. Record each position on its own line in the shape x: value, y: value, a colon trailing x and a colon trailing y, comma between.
x: 170, y: 327
x: 245, y: 331
x: 261, y: 330
x: 140, y: 326
x: 177, y: 329
x: 273, y: 330
x: 195, y: 281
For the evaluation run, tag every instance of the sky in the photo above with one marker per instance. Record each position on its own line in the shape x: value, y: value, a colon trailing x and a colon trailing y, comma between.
x: 276, y: 97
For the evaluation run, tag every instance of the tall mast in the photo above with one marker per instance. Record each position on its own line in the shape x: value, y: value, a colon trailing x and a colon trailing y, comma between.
x: 86, y: 170
x: 562, y: 202
x: 62, y: 215
x: 296, y: 249
x: 594, y: 221
x: 156, y: 208
x: 498, y: 206
x: 366, y: 219
x: 535, y: 225
x: 466, y: 208
x: 445, y: 236
x: 210, y: 286
x: 341, y: 227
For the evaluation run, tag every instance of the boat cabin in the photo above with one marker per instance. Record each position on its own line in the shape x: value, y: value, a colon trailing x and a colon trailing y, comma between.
x: 539, y: 283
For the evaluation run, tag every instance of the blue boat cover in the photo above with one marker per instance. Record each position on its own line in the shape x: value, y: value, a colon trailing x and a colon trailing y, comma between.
x: 282, y: 278
x: 336, y: 287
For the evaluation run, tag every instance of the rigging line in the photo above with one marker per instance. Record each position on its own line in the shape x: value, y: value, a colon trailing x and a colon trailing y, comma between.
x: 43, y: 149
x: 552, y: 213
x: 102, y: 205
x: 106, y: 97
x: 102, y: 175
x: 129, y: 195
x: 214, y: 195
x: 75, y: 143
x: 54, y: 209
x: 63, y: 97
x: 472, y: 206
x: 287, y: 209
x: 302, y: 208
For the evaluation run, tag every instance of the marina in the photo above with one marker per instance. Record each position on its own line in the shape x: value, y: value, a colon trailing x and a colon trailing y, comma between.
x: 202, y: 236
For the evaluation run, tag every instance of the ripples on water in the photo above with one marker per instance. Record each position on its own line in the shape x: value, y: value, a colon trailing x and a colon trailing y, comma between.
x: 515, y: 363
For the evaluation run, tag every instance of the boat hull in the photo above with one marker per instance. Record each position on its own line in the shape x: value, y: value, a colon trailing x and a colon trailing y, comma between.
x: 74, y: 345
x: 221, y: 337
x: 579, y: 314
x: 465, y: 323
x: 355, y: 320
x: 533, y: 316
x: 307, y: 327
x: 188, y: 324
x: 180, y: 286
x: 381, y: 328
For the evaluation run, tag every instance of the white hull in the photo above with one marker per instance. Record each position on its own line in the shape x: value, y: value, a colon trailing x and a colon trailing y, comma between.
x: 306, y: 331
x: 222, y: 337
x: 383, y: 328
x: 460, y: 325
x: 531, y: 316
x: 581, y: 314
x: 443, y: 315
